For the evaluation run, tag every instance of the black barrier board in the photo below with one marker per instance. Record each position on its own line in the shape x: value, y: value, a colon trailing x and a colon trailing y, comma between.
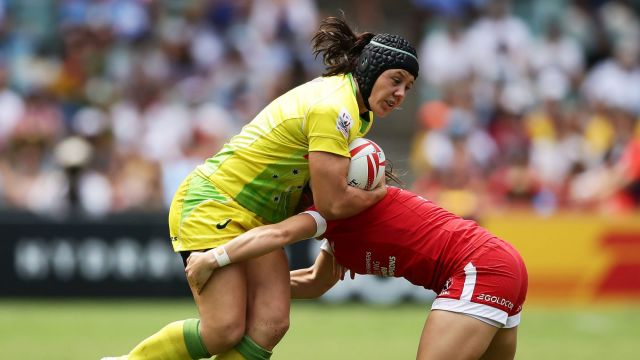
x: 78, y: 256
x: 81, y: 257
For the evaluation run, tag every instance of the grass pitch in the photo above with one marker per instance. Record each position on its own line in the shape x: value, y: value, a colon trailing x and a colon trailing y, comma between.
x: 72, y: 329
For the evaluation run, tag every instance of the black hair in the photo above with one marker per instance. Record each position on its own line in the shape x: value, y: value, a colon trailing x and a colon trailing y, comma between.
x: 339, y: 46
x: 366, y: 55
x: 390, y: 175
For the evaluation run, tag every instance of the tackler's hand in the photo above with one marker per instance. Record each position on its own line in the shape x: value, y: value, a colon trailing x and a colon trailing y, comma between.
x: 199, y: 269
x: 338, y: 270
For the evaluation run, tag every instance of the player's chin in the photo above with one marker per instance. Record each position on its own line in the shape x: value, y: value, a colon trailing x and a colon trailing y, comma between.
x: 382, y: 110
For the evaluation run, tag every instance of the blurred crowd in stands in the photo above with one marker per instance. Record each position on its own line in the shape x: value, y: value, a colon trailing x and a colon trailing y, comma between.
x: 105, y: 105
x: 539, y: 112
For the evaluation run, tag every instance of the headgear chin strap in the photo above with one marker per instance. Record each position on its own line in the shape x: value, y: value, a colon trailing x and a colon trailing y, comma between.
x: 383, y: 52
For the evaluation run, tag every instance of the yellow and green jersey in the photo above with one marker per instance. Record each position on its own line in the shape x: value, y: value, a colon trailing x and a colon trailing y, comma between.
x: 265, y: 167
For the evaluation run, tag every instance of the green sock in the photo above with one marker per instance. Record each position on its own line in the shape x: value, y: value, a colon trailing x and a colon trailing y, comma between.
x: 193, y: 340
x: 252, y: 351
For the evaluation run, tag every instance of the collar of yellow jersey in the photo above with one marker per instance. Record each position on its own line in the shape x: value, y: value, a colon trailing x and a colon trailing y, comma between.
x: 353, y: 85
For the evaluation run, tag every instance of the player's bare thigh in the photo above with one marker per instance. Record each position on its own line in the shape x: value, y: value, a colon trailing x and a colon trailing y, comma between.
x: 454, y: 336
x: 268, y: 298
x: 222, y: 308
x: 503, y: 345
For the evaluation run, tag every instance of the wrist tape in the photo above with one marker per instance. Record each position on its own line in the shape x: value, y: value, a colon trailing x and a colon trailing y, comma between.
x: 321, y: 223
x: 222, y: 258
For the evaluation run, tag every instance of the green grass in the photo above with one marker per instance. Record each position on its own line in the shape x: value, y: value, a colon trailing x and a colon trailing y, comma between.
x: 84, y: 330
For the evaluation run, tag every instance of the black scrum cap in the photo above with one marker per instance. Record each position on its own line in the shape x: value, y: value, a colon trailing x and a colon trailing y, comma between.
x: 384, y: 52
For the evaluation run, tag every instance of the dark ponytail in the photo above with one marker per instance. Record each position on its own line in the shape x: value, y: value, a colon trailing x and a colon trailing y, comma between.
x: 339, y: 46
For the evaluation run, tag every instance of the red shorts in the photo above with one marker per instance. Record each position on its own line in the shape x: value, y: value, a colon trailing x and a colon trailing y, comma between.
x: 491, y: 286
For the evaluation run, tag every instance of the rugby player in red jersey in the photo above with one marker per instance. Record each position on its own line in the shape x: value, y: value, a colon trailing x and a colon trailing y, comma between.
x: 481, y: 280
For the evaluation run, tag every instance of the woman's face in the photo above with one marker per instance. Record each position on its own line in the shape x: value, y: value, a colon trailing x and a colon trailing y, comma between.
x: 389, y: 91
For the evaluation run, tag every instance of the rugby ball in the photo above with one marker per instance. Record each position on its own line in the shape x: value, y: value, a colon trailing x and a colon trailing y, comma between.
x: 367, y: 164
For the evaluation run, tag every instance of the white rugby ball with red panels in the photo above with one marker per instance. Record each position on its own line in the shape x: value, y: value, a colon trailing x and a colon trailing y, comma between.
x: 367, y: 164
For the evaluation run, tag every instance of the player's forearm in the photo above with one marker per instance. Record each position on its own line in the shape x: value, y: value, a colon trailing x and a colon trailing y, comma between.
x: 314, y: 281
x: 349, y: 202
x: 332, y: 196
x: 256, y: 242
x: 264, y: 239
x: 253, y: 243
x: 303, y: 285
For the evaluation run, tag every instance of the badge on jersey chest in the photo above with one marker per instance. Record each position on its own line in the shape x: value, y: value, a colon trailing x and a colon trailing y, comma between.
x: 344, y: 123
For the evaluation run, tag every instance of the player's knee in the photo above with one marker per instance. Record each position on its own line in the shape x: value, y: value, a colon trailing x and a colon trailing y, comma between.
x: 277, y: 327
x: 269, y: 331
x: 281, y: 328
x: 221, y: 336
x: 232, y: 336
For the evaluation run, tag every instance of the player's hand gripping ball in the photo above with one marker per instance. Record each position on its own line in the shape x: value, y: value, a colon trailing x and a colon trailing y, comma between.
x: 367, y: 164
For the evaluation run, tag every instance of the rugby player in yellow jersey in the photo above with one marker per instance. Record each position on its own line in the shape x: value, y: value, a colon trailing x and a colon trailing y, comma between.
x: 257, y: 178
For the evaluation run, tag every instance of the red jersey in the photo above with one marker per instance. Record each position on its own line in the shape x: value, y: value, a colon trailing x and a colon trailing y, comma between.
x: 411, y: 237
